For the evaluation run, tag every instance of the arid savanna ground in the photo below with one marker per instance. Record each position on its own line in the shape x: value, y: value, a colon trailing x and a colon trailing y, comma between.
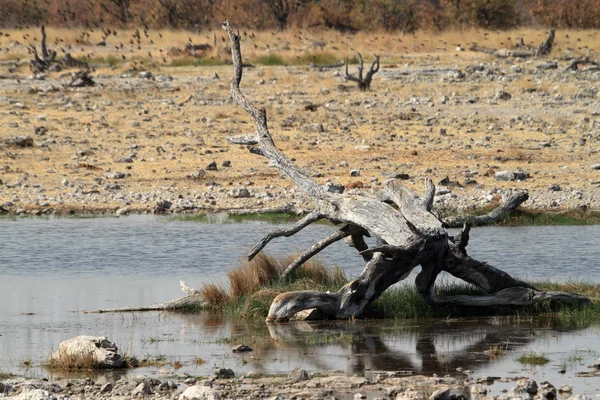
x: 138, y: 139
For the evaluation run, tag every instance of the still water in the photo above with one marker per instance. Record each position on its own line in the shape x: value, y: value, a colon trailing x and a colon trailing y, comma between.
x: 52, y: 269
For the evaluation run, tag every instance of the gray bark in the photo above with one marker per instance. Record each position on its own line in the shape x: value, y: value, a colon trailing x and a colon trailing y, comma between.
x: 410, y: 234
x: 364, y: 84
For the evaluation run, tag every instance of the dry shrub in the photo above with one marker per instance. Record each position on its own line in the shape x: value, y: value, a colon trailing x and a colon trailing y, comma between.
x: 252, y: 275
x: 256, y: 280
x: 65, y: 361
x: 214, y: 294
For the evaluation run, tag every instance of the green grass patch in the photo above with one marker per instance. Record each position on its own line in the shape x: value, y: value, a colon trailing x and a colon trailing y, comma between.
x: 253, y: 286
x: 317, y: 58
x: 111, y: 60
x: 543, y: 218
x: 527, y: 217
x: 195, y: 62
x: 5, y: 375
x: 270, y: 60
x: 223, y: 218
x: 316, y: 338
x: 533, y: 358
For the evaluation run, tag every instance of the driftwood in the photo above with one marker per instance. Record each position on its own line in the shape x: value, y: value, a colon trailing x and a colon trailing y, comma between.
x: 545, y: 48
x: 192, y: 300
x: 81, y: 79
x: 47, y: 59
x: 511, y: 203
x: 408, y: 235
x: 521, y: 50
x: 576, y: 63
x: 411, y: 235
x: 324, y: 67
x: 364, y: 84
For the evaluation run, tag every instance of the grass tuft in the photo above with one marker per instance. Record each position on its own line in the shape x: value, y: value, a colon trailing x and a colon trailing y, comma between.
x: 270, y: 59
x: 195, y: 62
x: 254, y: 284
x: 69, y: 362
x: 533, y: 358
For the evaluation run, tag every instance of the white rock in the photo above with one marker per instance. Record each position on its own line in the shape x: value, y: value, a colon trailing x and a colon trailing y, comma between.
x: 198, y: 392
x: 34, y: 394
x: 103, y: 351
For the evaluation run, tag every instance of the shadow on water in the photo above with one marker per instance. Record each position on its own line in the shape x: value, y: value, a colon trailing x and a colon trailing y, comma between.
x: 426, y: 347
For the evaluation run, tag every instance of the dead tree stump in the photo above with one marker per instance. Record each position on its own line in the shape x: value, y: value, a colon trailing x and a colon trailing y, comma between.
x: 410, y: 235
x: 545, y: 48
x: 364, y: 84
x: 48, y: 58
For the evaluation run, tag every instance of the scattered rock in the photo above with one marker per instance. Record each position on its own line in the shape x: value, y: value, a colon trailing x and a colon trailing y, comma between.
x: 335, y: 188
x: 547, y: 65
x: 596, y: 167
x: 397, y: 175
x: 107, y: 387
x: 502, y: 95
x: 143, y: 389
x: 162, y: 206
x: 225, y: 373
x: 211, y: 166
x: 123, y: 211
x: 449, y: 394
x: 198, y: 392
x: 226, y: 163
x: 354, y: 172
x: 116, y: 175
x: 555, y: 188
x: 19, y: 141
x: 34, y: 394
x: 198, y: 174
x: 79, y: 350
x: 241, y: 348
x: 239, y: 193
x: 145, y: 75
x: 315, y: 128
x: 298, y: 374
x: 40, y: 130
x: 504, y: 176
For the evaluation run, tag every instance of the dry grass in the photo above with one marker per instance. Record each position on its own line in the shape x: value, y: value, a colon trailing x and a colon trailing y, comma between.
x: 65, y: 361
x: 294, y: 46
x: 257, y: 281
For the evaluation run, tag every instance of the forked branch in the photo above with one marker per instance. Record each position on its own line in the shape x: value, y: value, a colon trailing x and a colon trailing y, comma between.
x: 364, y: 84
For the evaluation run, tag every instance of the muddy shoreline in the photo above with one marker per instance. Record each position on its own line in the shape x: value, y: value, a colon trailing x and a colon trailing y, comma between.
x: 299, y: 384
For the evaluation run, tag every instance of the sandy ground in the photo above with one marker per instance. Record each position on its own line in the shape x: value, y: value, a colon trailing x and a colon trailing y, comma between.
x: 137, y: 139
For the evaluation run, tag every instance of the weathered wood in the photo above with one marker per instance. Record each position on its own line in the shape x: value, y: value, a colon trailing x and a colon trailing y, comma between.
x: 81, y: 79
x: 193, y: 300
x: 545, y: 48
x: 316, y: 248
x: 512, y: 202
x: 407, y: 236
x: 364, y: 84
x: 324, y: 67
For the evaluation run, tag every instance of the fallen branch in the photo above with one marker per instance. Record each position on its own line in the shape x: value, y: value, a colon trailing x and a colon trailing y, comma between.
x: 193, y: 300
x: 507, y: 207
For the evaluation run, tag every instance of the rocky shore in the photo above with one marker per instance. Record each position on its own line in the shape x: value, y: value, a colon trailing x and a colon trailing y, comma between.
x: 299, y: 384
x: 155, y: 141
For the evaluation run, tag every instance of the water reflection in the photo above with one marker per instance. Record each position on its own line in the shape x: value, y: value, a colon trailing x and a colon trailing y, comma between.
x: 429, y: 347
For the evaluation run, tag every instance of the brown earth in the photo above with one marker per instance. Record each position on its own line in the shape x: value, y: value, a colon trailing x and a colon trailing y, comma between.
x: 134, y: 140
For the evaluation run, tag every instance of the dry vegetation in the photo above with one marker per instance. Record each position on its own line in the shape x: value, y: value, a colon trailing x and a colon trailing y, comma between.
x: 256, y: 283
x: 160, y: 131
